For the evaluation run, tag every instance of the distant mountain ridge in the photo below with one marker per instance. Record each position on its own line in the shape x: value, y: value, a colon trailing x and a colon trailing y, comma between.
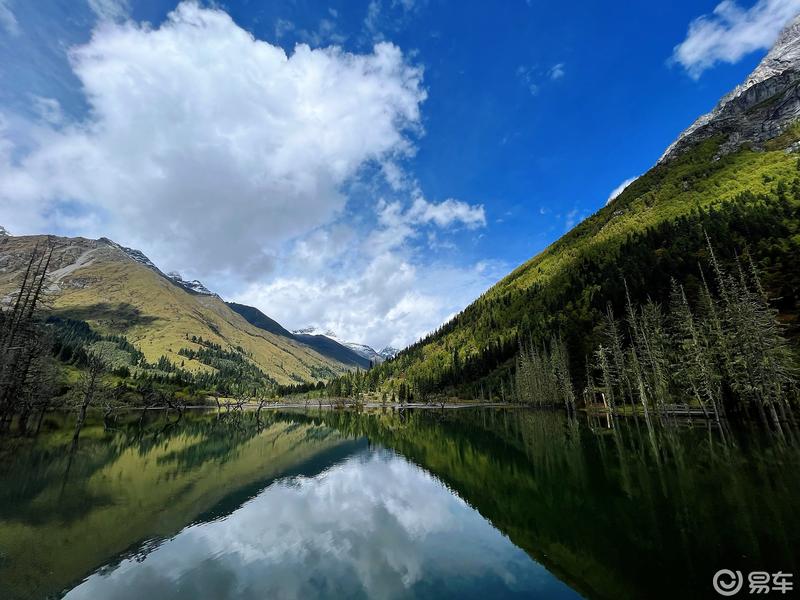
x: 323, y: 344
x: 363, y: 350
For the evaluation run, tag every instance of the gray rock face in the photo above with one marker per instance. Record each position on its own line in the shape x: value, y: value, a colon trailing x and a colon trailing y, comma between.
x: 759, y: 109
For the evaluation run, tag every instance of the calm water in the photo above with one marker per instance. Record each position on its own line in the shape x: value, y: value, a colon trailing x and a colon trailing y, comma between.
x: 470, y: 503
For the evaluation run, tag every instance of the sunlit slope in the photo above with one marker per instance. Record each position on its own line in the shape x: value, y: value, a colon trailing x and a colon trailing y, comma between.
x: 664, y: 193
x: 733, y: 174
x: 94, y: 281
x: 654, y: 230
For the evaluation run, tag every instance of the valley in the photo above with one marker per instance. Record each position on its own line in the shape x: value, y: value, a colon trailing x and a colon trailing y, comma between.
x: 444, y: 301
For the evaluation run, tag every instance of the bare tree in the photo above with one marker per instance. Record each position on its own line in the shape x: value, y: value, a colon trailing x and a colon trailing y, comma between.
x: 24, y: 342
x: 89, y: 388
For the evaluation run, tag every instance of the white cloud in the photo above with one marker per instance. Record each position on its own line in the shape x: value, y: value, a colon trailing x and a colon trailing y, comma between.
x: 48, y: 109
x: 535, y: 77
x: 283, y: 27
x: 399, y: 223
x: 199, y: 134
x: 373, y: 288
x: 557, y: 71
x: 620, y: 188
x: 225, y: 159
x: 527, y: 76
x: 406, y: 5
x: 446, y: 213
x: 372, y: 20
x: 392, y: 16
x: 110, y: 10
x: 325, y: 33
x: 7, y: 19
x: 571, y: 219
x: 731, y: 32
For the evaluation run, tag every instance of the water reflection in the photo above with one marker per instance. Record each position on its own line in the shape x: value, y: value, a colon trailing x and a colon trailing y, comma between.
x: 374, y: 526
x: 460, y: 503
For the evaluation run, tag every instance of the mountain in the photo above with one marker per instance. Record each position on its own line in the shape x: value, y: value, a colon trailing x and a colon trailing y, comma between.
x: 368, y: 352
x: 757, y: 110
x: 388, y: 352
x: 325, y: 345
x: 733, y: 175
x: 119, y: 291
x: 194, y: 286
x: 341, y: 352
x: 138, y: 256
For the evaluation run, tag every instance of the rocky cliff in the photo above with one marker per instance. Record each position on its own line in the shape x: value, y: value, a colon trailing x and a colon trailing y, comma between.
x: 759, y: 109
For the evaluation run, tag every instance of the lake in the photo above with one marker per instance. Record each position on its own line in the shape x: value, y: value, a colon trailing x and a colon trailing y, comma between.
x: 468, y: 503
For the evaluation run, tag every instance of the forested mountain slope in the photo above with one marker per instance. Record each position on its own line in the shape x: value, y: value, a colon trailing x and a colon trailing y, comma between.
x: 733, y: 175
x: 118, y: 291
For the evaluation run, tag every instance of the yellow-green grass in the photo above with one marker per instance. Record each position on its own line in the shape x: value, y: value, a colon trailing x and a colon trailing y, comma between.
x: 695, y: 180
x: 117, y: 295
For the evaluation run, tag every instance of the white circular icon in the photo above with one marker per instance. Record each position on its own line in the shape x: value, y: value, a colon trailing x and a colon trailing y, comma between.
x: 727, y: 582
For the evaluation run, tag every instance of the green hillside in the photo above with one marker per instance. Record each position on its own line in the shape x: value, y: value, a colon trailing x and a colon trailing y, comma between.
x: 654, y: 230
x: 97, y: 282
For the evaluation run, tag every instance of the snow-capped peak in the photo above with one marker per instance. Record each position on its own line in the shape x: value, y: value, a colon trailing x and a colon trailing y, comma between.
x: 367, y: 352
x: 317, y: 331
x: 191, y: 286
x: 389, y: 352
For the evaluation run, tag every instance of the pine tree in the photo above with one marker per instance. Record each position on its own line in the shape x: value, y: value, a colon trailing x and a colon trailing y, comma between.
x: 694, y: 360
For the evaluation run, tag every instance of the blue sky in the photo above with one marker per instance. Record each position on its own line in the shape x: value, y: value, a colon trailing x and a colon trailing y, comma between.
x: 401, y: 182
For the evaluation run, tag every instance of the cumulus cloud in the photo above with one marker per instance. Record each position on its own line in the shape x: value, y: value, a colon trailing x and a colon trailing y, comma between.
x: 199, y: 134
x: 620, y: 188
x: 371, y: 287
x: 731, y: 32
x: 390, y: 302
x: 7, y: 19
x: 224, y: 158
x: 398, y: 223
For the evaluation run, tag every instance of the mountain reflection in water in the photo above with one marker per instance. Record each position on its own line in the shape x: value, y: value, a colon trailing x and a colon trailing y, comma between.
x: 467, y: 503
x: 372, y: 526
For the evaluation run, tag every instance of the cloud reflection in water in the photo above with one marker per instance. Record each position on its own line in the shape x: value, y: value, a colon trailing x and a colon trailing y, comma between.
x: 372, y: 526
